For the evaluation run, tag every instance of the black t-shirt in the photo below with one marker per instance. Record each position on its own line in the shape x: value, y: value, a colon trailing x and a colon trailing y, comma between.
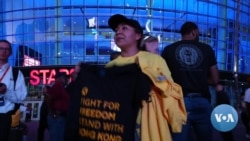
x: 105, y: 102
x: 189, y: 63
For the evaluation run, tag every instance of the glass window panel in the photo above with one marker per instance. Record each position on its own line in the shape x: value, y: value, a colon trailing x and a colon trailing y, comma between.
x: 141, y: 12
x: 2, y: 30
x: 77, y: 11
x: 90, y: 11
x: 130, y: 11
x: 103, y: 21
x: 41, y: 25
x: 53, y: 2
x: 169, y: 4
x: 157, y: 13
x: 40, y: 37
x: 117, y: 2
x: 203, y: 8
x: 53, y: 11
x: 28, y: 3
x: 7, y: 16
x: 78, y: 24
x: 17, y: 15
x: 59, y: 24
x: 104, y: 2
x: 66, y: 11
x: 191, y: 6
x: 6, y: 5
x: 49, y: 53
x: 103, y: 10
x: 192, y: 17
x: 39, y: 3
x: 211, y: 20
x: 9, y: 28
x: 51, y: 23
x: 68, y: 2
x: 17, y: 5
x: 244, y: 18
x: 244, y: 8
x: 90, y: 2
x: 157, y: 24
x: 132, y: 3
x: 142, y: 3
x: 28, y: 14
x: 117, y: 10
x: 182, y: 5
x: 213, y: 10
x: 75, y: 2
x: 230, y: 3
x: 67, y: 24
x: 39, y: 13
x: 157, y: 3
x: 230, y: 13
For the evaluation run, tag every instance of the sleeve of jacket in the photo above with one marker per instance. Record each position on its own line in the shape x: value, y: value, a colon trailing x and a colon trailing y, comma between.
x: 171, y: 96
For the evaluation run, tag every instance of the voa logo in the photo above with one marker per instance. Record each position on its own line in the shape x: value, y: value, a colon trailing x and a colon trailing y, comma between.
x: 224, y: 117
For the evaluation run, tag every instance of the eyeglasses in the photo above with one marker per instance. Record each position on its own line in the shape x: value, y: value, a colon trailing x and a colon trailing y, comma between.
x: 4, y: 49
x: 146, y: 37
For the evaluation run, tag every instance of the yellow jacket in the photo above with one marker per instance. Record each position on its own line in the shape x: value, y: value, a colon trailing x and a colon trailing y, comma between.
x: 165, y: 110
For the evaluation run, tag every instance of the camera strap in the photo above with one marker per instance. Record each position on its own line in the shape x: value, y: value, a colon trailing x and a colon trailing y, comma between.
x: 4, y: 74
x: 2, y: 98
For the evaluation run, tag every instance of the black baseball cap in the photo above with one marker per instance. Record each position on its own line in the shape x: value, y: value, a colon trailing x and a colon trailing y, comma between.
x: 117, y: 19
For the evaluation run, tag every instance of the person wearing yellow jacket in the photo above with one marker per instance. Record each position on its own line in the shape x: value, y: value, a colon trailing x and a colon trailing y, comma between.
x: 164, y: 112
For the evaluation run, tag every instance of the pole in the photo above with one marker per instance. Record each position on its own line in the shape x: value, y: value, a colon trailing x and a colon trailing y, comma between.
x: 236, y: 52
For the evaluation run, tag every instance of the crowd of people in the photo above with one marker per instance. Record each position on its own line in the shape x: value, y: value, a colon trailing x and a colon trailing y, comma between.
x: 142, y: 94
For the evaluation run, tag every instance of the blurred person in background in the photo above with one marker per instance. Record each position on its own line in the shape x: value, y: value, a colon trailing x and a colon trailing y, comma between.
x: 150, y: 43
x: 44, y: 110
x: 245, y: 113
x: 58, y: 104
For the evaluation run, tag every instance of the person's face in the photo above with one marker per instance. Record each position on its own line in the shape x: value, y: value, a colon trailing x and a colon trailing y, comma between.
x: 152, y: 47
x: 126, y: 37
x: 5, y: 51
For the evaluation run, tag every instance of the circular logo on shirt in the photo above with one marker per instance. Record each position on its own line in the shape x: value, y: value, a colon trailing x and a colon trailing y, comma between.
x: 85, y: 91
x: 224, y: 117
x: 188, y: 55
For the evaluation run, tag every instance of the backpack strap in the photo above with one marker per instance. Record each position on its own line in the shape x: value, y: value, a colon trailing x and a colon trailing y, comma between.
x: 15, y: 75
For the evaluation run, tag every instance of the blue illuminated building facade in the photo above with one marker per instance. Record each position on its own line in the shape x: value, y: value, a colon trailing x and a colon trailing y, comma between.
x: 64, y: 32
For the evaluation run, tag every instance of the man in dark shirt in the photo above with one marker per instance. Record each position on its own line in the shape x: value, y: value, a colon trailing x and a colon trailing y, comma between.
x: 43, y: 125
x: 192, y: 65
x: 58, y: 102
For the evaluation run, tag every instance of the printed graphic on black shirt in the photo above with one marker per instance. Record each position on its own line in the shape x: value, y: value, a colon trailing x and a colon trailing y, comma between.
x: 189, y: 56
x: 109, y: 103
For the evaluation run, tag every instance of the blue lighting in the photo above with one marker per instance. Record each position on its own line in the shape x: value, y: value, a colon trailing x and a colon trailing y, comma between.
x: 78, y: 30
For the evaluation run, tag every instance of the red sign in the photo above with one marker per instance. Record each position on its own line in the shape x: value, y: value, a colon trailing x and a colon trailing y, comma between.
x: 47, y: 76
